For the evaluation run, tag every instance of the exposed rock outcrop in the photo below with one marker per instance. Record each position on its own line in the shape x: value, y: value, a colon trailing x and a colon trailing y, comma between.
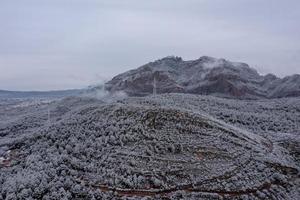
x: 205, y: 75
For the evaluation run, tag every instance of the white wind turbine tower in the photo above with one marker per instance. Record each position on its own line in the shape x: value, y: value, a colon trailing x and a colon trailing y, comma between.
x: 49, y: 121
x: 154, y: 85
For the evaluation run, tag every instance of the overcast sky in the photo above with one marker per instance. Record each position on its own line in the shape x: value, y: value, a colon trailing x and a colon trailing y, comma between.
x: 58, y: 44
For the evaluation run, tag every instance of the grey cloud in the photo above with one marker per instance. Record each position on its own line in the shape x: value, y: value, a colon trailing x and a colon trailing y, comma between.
x: 71, y: 43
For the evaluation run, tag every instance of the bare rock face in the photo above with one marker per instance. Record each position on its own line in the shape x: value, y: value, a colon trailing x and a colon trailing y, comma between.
x: 287, y: 87
x: 205, y: 75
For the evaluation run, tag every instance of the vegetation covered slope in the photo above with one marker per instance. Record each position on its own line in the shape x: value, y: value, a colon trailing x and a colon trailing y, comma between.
x: 161, y: 147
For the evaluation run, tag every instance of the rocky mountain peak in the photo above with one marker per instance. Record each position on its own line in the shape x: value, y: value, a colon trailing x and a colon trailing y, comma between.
x: 206, y: 75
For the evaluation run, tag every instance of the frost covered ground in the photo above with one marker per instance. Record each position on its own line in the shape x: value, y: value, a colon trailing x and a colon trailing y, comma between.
x: 172, y: 146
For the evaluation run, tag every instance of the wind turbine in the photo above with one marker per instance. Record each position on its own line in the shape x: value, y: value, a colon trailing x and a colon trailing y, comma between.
x: 49, y: 120
x: 154, y: 85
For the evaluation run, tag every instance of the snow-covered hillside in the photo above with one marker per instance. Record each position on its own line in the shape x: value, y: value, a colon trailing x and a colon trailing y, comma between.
x: 171, y: 146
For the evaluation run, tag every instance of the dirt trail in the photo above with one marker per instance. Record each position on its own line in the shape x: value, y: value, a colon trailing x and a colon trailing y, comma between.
x: 187, y: 188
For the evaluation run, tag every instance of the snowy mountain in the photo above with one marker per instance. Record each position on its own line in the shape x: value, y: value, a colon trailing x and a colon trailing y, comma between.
x: 205, y: 75
x: 170, y: 146
x: 164, y: 146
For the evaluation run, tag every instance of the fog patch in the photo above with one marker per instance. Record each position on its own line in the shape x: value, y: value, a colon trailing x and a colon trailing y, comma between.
x: 213, y: 62
x: 99, y: 92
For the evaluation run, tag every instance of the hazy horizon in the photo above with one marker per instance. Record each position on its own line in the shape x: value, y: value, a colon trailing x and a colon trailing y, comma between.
x: 69, y: 44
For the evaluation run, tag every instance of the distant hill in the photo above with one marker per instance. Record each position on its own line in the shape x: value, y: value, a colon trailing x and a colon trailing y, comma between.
x: 38, y: 94
x: 206, y: 75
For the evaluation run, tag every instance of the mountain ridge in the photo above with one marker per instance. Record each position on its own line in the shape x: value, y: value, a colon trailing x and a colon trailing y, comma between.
x: 206, y: 75
x: 39, y: 94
